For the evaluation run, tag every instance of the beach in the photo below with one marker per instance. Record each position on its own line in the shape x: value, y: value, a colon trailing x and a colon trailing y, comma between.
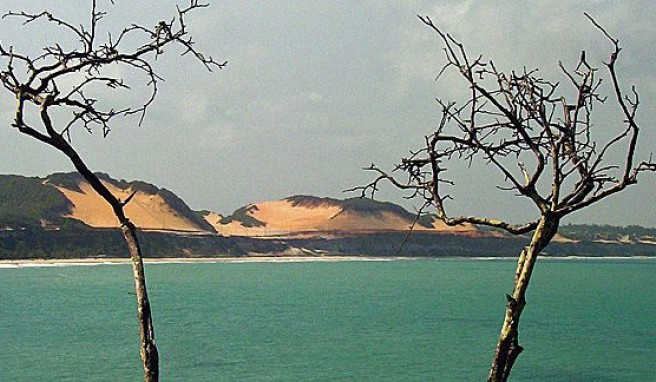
x: 26, y: 263
x: 21, y: 263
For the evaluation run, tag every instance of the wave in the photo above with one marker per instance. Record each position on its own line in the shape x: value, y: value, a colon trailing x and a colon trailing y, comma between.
x: 154, y: 261
x: 12, y: 264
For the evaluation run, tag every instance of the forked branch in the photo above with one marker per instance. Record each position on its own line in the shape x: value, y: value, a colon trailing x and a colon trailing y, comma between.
x: 33, y: 79
x: 541, y: 143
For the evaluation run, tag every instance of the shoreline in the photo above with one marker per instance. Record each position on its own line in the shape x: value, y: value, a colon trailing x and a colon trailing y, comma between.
x: 25, y: 263
x: 35, y: 263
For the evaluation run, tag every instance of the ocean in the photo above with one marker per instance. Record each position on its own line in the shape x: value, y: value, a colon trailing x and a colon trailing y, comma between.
x: 403, y: 320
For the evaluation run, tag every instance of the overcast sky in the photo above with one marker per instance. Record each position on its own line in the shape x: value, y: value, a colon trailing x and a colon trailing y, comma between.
x: 315, y: 90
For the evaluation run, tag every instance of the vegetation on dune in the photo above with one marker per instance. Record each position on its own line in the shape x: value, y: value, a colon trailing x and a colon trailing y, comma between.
x: 361, y: 206
x: 243, y: 217
x: 68, y: 180
x: 178, y: 206
x: 27, y: 200
x: 181, y: 208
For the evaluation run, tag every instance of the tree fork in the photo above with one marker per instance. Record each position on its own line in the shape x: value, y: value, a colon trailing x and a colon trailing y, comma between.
x: 38, y: 81
x: 510, y: 121
x: 148, y: 348
x: 508, y: 348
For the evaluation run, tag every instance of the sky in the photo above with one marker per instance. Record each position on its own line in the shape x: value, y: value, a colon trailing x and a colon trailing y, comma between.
x: 315, y: 90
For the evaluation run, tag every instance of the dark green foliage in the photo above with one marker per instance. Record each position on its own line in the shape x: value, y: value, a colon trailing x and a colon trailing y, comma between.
x: 76, y: 240
x: 201, y: 214
x: 28, y: 201
x: 136, y: 185
x: 69, y: 241
x: 180, y: 207
x: 366, y: 206
x: 418, y: 244
x: 423, y: 244
x: 242, y: 216
x: 308, y: 201
x: 68, y: 180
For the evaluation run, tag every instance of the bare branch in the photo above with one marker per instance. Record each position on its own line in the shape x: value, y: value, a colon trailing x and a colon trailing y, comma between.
x: 44, y: 82
x: 510, y: 121
x: 510, y: 124
x: 46, y: 71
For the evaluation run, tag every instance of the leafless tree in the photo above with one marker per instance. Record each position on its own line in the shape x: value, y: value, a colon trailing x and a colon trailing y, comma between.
x: 55, y: 94
x: 542, y: 144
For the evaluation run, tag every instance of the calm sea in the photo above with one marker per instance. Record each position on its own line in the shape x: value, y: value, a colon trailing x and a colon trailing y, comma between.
x: 419, y: 320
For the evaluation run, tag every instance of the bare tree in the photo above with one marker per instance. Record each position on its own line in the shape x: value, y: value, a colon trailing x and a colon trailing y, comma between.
x: 56, y: 94
x: 541, y: 143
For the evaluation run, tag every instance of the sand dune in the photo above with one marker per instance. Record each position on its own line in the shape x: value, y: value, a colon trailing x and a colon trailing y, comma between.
x: 300, y: 215
x: 147, y: 211
x: 282, y: 217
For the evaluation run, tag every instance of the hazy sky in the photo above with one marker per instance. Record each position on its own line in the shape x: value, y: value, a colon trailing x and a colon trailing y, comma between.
x: 315, y: 90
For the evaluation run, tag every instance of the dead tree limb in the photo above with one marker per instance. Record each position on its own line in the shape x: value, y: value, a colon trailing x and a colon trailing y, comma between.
x: 42, y: 88
x: 542, y: 145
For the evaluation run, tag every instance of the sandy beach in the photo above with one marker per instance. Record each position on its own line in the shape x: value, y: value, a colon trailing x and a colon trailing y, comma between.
x: 27, y: 263
x: 23, y: 263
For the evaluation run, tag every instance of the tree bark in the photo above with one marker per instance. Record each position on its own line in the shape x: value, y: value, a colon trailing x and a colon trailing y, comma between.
x: 37, y: 84
x: 508, y: 348
x: 148, y: 351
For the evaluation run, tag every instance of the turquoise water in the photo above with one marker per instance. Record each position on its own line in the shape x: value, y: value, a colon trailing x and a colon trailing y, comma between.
x: 420, y: 320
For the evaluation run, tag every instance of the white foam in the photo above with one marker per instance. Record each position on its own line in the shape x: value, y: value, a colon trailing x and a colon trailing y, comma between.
x: 13, y: 264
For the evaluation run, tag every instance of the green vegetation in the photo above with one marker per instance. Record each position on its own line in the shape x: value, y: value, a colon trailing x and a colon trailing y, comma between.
x: 32, y: 226
x: 68, y: 180
x: 28, y: 201
x: 73, y: 239
x: 631, y: 233
x: 76, y: 240
x: 242, y: 216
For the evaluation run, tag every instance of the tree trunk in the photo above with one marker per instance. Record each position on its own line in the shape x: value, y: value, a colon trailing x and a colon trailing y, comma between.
x: 508, y: 348
x: 148, y: 351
